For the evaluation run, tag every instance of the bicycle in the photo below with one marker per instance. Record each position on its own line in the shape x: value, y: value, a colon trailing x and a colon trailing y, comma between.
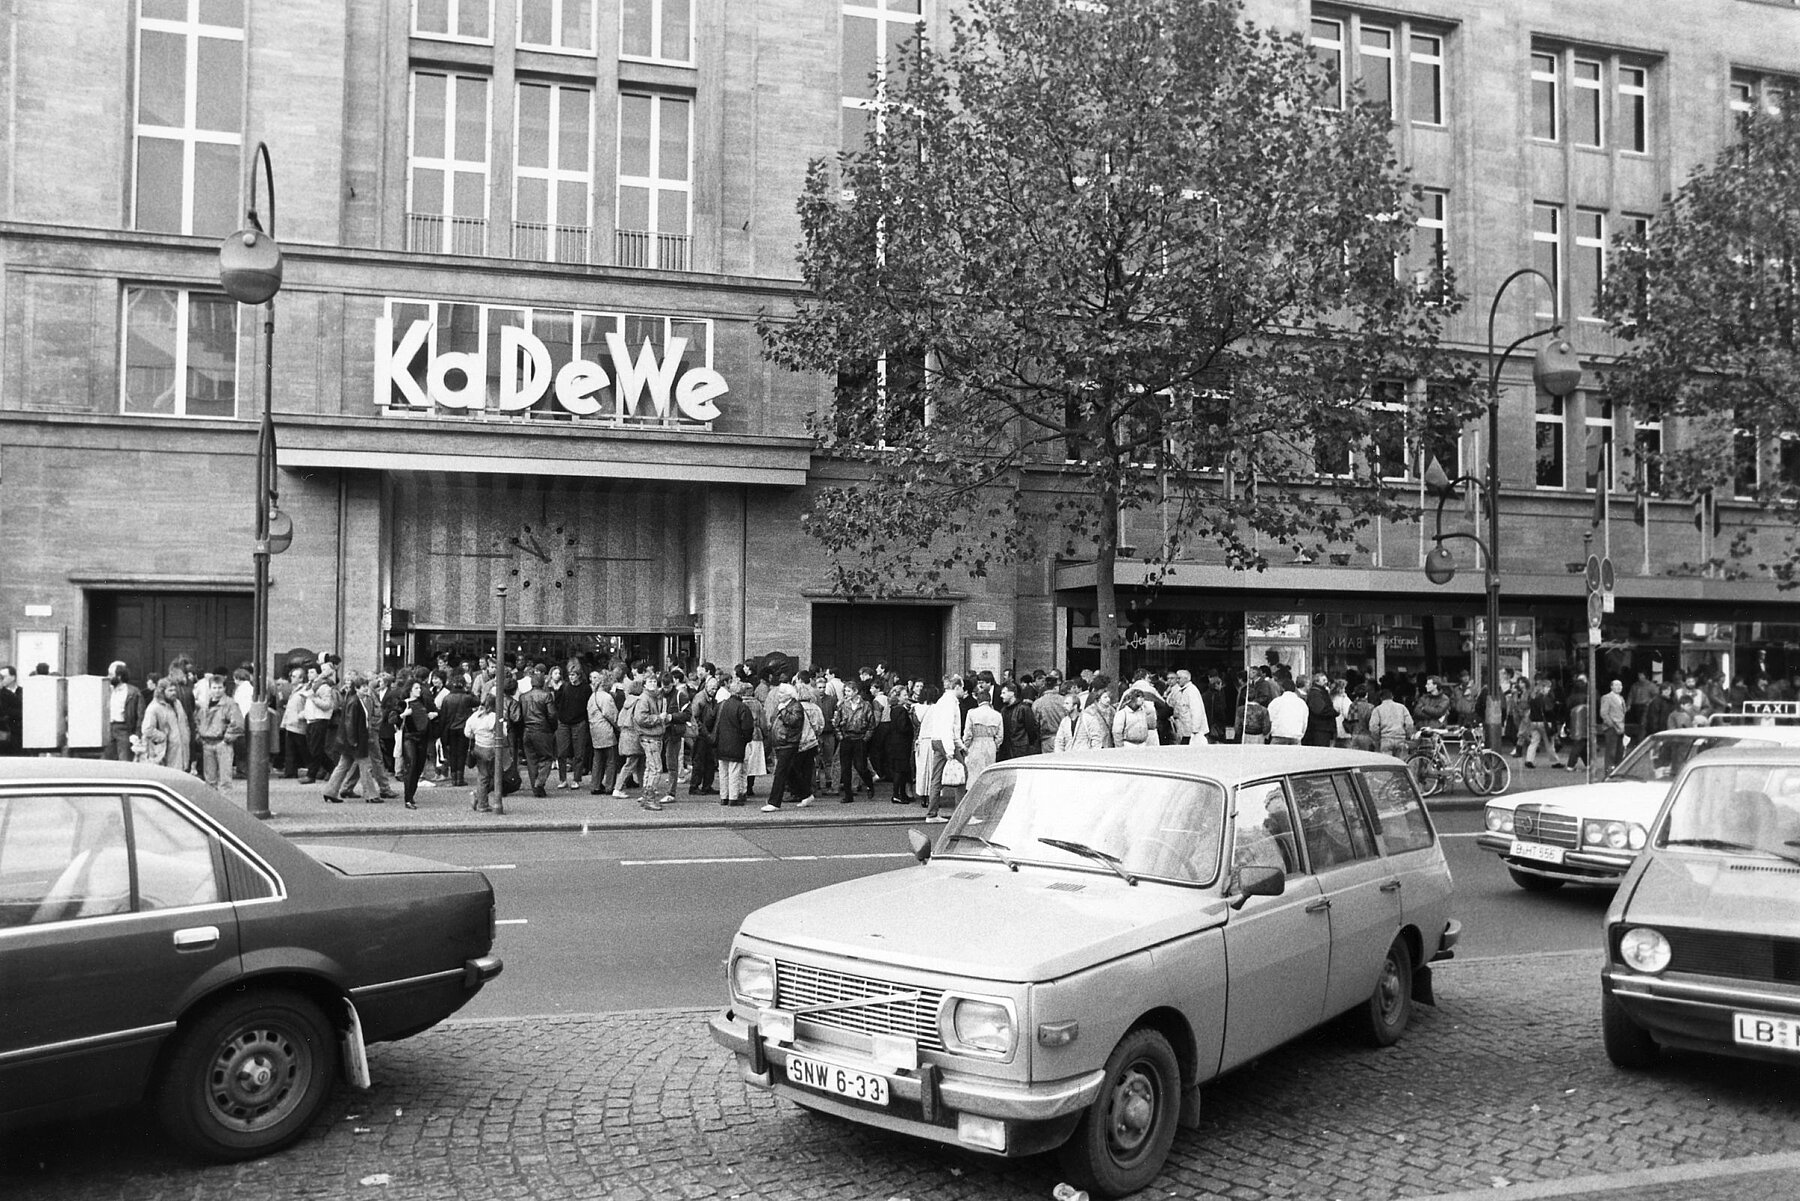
x: 1485, y: 772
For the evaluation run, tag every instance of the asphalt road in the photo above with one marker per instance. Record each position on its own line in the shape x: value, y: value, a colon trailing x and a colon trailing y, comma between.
x: 624, y: 920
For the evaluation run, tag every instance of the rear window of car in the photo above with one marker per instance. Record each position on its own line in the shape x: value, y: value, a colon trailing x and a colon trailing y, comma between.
x: 1398, y: 809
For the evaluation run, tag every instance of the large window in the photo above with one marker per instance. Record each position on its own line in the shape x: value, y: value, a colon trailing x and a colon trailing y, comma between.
x: 1752, y: 91
x: 1546, y: 256
x: 1647, y: 447
x: 447, y: 177
x: 553, y: 179
x: 1634, y: 110
x: 1589, y: 255
x: 1358, y: 50
x: 1546, y: 96
x: 1570, y: 90
x: 1547, y: 425
x: 566, y: 26
x: 657, y: 30
x: 1430, y: 234
x: 188, y: 134
x: 180, y: 354
x: 879, y: 40
x: 454, y: 20
x: 1601, y: 466
x: 655, y: 181
x: 1586, y: 111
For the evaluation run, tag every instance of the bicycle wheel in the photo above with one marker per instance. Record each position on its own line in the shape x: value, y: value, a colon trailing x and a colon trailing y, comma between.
x: 1429, y: 773
x: 1487, y: 773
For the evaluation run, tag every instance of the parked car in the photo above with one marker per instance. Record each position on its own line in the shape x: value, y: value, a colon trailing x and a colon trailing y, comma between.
x: 1703, y: 936
x: 156, y: 941
x: 1591, y: 833
x: 1092, y: 938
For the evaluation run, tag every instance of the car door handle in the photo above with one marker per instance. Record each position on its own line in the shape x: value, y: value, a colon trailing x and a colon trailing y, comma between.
x: 1320, y: 905
x: 1391, y: 886
x: 196, y: 938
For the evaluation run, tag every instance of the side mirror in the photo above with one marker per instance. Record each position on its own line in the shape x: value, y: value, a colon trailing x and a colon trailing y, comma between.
x: 1261, y: 881
x: 921, y: 845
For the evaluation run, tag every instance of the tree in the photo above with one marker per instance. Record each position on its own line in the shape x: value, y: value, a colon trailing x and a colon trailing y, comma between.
x: 1101, y: 255
x: 1707, y: 303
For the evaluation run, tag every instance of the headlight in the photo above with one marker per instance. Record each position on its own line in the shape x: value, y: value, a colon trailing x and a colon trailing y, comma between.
x: 1644, y: 949
x: 982, y: 1026
x: 1500, y: 820
x: 753, y: 979
x: 1617, y: 836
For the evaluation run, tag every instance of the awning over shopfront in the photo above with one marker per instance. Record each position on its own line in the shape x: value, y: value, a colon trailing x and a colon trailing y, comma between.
x: 772, y: 470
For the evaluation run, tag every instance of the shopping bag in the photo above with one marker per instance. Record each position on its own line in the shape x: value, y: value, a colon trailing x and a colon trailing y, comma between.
x: 756, y: 763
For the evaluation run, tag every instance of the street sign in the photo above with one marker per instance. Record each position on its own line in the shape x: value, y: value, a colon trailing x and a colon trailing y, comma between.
x: 1593, y: 573
x: 1596, y: 608
x: 1607, y: 603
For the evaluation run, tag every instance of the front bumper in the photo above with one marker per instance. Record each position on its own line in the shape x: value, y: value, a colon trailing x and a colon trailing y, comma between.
x: 1696, y: 1012
x: 926, y: 1101
x: 1578, y: 866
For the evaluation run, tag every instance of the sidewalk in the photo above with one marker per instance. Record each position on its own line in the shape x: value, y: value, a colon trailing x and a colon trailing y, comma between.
x: 301, y: 810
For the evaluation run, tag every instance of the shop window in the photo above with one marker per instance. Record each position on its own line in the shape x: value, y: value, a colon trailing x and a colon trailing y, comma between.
x: 1546, y: 256
x: 566, y: 26
x: 655, y: 181
x: 180, y: 354
x: 554, y: 175
x: 1548, y: 425
x: 657, y: 30
x: 454, y: 20
x: 447, y: 176
x: 187, y: 145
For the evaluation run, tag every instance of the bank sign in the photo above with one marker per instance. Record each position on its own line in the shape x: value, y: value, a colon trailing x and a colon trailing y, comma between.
x: 607, y: 367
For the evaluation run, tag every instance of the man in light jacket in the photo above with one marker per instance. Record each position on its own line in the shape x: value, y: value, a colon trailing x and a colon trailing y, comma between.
x: 1190, y: 709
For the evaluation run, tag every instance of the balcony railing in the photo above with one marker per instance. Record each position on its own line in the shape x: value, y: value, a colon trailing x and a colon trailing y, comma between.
x: 641, y: 248
x: 552, y: 243
x: 435, y: 233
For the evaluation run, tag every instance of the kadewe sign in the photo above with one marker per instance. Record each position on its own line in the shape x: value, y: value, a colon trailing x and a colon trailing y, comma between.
x: 512, y: 370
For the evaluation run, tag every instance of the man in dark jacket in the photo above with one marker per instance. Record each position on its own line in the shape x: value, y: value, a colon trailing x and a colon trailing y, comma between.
x: 12, y: 713
x: 703, y: 714
x: 1321, y: 715
x: 125, y: 713
x: 537, y: 710
x: 733, y: 729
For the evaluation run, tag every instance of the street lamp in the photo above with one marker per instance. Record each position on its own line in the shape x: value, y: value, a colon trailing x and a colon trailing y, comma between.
x: 1557, y: 370
x: 250, y: 273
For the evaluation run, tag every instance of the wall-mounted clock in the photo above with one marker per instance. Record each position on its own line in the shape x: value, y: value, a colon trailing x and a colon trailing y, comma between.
x: 543, y: 556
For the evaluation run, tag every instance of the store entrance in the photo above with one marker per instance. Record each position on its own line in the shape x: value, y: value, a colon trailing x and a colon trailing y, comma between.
x: 528, y: 647
x: 149, y: 630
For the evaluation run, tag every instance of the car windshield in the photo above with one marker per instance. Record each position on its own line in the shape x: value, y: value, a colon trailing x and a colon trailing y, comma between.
x: 1661, y: 757
x: 1736, y: 807
x: 1160, y: 827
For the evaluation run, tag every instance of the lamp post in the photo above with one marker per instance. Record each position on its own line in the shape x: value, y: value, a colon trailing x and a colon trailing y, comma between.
x: 250, y: 273
x: 502, y: 736
x: 1557, y: 370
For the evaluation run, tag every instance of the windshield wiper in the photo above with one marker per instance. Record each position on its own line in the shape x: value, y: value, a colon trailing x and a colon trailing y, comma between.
x: 1724, y: 844
x: 1088, y: 852
x: 1000, y: 849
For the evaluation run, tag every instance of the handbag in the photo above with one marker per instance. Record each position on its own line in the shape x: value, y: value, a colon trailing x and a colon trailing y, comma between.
x: 756, y: 762
x: 955, y: 774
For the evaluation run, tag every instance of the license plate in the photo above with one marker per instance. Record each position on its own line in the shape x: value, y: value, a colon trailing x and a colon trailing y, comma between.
x: 1537, y: 851
x: 1759, y: 1030
x: 830, y: 1078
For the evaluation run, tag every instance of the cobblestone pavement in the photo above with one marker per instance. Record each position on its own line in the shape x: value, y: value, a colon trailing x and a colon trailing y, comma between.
x: 1503, y: 1085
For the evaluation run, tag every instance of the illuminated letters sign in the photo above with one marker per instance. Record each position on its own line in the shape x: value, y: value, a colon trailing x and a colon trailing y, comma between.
x: 645, y: 386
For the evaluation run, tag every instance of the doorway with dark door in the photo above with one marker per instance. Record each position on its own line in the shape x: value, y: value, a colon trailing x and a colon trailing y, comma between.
x: 908, y: 638
x: 149, y: 630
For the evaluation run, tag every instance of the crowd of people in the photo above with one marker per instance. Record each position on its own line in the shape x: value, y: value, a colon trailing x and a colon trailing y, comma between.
x: 635, y: 731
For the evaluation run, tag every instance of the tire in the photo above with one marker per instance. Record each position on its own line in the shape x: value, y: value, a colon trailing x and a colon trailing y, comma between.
x: 1389, y: 1008
x: 1431, y: 777
x: 1487, y: 773
x: 248, y: 1075
x: 1123, y: 1139
x: 1628, y: 1044
x: 1531, y: 883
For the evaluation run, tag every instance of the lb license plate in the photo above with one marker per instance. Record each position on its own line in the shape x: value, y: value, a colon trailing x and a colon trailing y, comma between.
x: 1761, y: 1030
x: 1536, y: 851
x: 830, y: 1078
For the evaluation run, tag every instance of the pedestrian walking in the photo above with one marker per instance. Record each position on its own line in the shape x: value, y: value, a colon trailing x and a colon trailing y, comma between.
x: 220, y: 725
x: 651, y: 718
x: 482, y: 731
x: 164, y: 735
x: 418, y: 724
x: 538, y: 713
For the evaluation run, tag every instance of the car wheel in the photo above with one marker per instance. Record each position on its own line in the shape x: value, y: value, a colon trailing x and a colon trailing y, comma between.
x: 1533, y: 883
x: 248, y: 1075
x: 1389, y: 1007
x: 1428, y: 773
x: 1123, y: 1139
x: 1628, y: 1044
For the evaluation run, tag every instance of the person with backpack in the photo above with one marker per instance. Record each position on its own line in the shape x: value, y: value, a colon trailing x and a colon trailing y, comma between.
x: 854, y: 722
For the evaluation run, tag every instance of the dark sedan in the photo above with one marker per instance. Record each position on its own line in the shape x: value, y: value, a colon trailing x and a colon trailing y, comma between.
x: 156, y: 941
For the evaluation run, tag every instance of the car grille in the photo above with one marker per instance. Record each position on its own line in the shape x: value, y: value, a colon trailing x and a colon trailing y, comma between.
x: 798, y: 985
x: 1737, y: 956
x: 1532, y: 823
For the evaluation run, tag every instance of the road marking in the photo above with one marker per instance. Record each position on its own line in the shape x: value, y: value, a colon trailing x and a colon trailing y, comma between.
x: 762, y: 859
x: 495, y: 867
x: 513, y: 921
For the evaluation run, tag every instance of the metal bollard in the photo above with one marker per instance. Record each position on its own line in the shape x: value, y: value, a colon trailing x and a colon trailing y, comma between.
x: 256, y: 767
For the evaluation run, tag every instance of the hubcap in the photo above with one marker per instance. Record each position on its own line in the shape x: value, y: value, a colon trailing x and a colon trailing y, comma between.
x: 258, y: 1078
x: 1133, y: 1111
x: 1390, y: 990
